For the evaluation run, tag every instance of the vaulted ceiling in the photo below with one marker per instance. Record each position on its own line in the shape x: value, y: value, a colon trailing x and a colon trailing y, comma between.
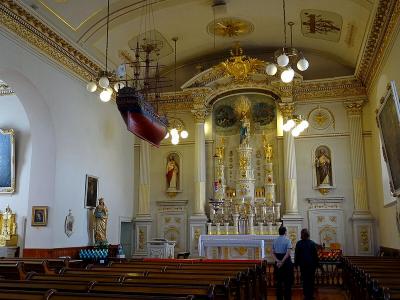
x: 330, y: 33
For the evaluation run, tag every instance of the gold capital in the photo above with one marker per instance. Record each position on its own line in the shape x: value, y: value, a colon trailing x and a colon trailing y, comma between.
x: 354, y: 108
x: 200, y: 115
x: 286, y: 109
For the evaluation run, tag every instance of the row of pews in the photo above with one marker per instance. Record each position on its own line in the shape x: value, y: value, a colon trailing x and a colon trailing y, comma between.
x: 135, y: 279
x: 372, y: 277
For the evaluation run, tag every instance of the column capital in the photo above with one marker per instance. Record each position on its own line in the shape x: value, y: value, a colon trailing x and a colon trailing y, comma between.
x: 354, y: 107
x: 200, y: 114
x: 286, y: 109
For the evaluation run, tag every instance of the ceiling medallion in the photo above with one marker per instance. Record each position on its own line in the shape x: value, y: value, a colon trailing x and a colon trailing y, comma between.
x: 230, y: 27
x: 240, y: 66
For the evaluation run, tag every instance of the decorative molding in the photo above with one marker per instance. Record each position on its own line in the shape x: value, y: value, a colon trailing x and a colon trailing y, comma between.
x: 383, y: 29
x: 20, y: 22
x: 5, y: 89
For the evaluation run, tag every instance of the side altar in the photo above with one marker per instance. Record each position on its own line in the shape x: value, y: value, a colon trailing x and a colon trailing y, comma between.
x: 244, y: 210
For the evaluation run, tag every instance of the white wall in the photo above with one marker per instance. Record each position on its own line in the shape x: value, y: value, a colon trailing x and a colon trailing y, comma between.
x: 12, y: 115
x: 73, y: 134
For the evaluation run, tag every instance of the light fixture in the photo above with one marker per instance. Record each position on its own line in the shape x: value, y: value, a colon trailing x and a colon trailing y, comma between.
x: 296, y: 124
x: 176, y: 130
x: 286, y: 57
x: 103, y: 79
x: 176, y: 127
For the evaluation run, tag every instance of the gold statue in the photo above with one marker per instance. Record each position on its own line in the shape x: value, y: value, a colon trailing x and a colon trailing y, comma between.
x: 100, y: 223
x: 8, y: 231
x: 268, y: 152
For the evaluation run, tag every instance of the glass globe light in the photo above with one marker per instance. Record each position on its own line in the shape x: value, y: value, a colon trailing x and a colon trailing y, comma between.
x: 290, y: 124
x: 91, y: 86
x: 302, y: 64
x: 304, y: 124
x: 287, y: 75
x: 104, y: 82
x: 184, y: 134
x: 118, y: 86
x: 296, y: 132
x: 175, y: 140
x: 174, y: 132
x: 105, y: 95
x: 271, y: 69
x: 282, y: 60
x: 167, y: 135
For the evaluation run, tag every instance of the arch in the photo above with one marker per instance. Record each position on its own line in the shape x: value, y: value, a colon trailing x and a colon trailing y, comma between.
x: 218, y: 96
x: 43, y: 152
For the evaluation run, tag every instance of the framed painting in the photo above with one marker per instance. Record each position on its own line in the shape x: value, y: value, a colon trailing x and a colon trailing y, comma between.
x: 7, y: 161
x: 91, y: 190
x: 39, y: 215
x: 388, y: 119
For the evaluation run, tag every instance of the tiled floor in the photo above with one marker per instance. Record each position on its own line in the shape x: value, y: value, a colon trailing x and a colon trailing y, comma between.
x: 321, y: 294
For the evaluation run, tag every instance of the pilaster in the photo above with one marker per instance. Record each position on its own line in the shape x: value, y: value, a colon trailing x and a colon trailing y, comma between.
x: 363, y: 222
x: 143, y: 220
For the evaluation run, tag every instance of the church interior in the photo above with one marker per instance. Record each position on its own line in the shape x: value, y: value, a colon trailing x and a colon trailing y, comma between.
x: 138, y: 129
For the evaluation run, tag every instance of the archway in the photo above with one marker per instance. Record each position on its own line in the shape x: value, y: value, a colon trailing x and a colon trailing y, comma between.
x: 43, y: 154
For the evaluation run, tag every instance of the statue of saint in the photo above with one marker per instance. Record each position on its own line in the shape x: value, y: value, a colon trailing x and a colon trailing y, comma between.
x: 268, y: 152
x: 172, y: 173
x: 244, y: 129
x: 100, y: 222
x: 323, y: 167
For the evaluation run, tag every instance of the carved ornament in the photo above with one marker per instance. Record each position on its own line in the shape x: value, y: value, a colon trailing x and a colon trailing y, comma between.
x: 383, y: 30
x: 286, y: 109
x: 354, y: 108
x: 19, y: 21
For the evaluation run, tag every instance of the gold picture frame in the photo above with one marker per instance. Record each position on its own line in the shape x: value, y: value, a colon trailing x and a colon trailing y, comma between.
x: 7, y: 161
x: 39, y: 215
x: 388, y: 119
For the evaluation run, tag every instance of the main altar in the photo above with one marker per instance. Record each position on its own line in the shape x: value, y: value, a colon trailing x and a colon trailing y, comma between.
x: 244, y: 214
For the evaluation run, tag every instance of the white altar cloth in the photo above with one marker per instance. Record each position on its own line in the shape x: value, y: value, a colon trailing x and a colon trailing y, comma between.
x: 249, y: 241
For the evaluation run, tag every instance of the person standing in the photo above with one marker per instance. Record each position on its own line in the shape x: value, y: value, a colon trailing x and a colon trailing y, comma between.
x: 306, y: 257
x: 281, y: 249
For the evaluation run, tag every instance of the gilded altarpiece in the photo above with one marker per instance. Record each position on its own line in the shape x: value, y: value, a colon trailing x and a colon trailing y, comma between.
x: 172, y: 222
x: 326, y: 221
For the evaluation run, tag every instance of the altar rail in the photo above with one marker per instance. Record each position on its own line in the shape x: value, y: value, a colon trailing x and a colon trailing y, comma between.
x: 328, y: 274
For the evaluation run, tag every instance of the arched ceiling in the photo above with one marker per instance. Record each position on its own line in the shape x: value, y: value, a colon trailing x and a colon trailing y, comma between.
x: 331, y: 54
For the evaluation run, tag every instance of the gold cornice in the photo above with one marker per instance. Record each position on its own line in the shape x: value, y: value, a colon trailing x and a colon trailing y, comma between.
x: 382, y: 31
x: 20, y: 22
x: 340, y: 88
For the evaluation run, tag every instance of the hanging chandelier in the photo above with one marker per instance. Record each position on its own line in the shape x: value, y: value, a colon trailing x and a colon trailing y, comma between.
x: 104, y: 77
x: 176, y: 127
x: 296, y: 124
x: 286, y: 57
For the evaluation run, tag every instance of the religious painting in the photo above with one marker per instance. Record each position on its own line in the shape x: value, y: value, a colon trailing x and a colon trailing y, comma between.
x: 7, y: 161
x: 320, y: 24
x: 91, y: 190
x: 229, y: 113
x: 39, y: 215
x: 173, y: 176
x: 388, y: 119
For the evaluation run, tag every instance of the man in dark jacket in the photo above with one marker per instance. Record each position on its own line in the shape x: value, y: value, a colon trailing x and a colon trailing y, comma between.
x: 306, y: 257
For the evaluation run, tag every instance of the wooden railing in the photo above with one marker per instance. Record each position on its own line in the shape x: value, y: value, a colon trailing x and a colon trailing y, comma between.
x: 328, y: 274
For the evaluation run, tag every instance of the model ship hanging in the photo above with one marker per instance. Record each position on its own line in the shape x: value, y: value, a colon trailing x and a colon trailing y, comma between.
x: 139, y: 113
x: 137, y: 83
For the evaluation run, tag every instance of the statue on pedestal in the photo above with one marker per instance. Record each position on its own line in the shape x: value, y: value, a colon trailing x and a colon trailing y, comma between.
x: 100, y: 223
x: 8, y: 231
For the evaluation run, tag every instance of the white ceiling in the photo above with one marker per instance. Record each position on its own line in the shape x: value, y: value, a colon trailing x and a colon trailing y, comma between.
x: 84, y: 22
